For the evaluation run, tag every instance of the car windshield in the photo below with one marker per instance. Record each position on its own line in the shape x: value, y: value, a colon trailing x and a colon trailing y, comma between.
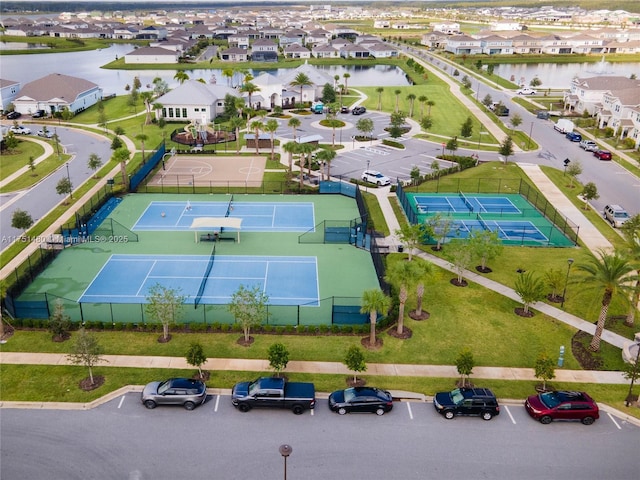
x: 349, y: 394
x: 456, y: 396
x: 163, y: 387
x: 550, y: 399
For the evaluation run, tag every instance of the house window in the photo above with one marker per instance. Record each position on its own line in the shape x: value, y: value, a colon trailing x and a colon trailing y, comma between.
x: 184, y: 112
x: 196, y: 109
x: 177, y: 113
x: 170, y: 112
x: 164, y: 112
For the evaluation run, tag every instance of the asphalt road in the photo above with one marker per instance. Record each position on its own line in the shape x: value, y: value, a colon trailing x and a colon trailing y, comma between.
x: 42, y: 197
x: 123, y: 440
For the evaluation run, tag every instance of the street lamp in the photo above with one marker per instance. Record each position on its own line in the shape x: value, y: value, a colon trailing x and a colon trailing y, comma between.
x: 566, y: 280
x: 529, y: 139
x: 479, y: 137
x: 69, y: 179
x: 285, y: 450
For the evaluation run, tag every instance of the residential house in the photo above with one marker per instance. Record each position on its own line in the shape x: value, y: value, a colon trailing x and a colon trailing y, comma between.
x: 382, y: 50
x: 381, y: 24
x: 294, y: 35
x: 526, y: 44
x: 8, y: 91
x: 325, y: 51
x: 496, y: 45
x: 153, y: 33
x: 264, y: 50
x: 447, y: 28
x: 463, y: 45
x: 556, y: 45
x: 152, y: 55
x: 583, y: 43
x: 234, y: 54
x: 296, y: 51
x: 239, y: 40
x: 434, y: 39
x: 318, y: 36
x: 194, y: 101
x: 309, y: 93
x: 57, y: 92
x: 354, y: 51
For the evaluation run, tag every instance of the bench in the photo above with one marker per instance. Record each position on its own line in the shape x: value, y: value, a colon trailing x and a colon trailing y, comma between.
x: 217, y: 238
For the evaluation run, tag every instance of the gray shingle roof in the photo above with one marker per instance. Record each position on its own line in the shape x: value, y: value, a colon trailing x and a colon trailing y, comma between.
x: 56, y: 85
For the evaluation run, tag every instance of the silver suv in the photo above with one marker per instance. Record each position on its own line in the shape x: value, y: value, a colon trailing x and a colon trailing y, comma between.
x: 589, y: 145
x: 615, y: 215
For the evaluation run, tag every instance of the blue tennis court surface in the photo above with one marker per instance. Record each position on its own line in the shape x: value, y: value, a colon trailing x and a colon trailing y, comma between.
x: 256, y: 216
x: 286, y: 280
x: 511, y: 230
x: 463, y: 203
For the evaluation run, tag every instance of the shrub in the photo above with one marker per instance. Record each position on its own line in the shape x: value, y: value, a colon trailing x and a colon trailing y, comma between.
x: 215, y: 326
x: 289, y: 329
x: 335, y: 328
x: 323, y: 329
x: 225, y: 327
x: 88, y: 325
x: 628, y: 143
x: 268, y: 328
x: 347, y: 329
x: 279, y: 330
x: 118, y: 326
x: 128, y: 326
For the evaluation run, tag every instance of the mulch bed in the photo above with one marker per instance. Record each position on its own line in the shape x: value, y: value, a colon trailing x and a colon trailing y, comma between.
x: 480, y: 269
x: 358, y: 382
x: 555, y: 298
x: 580, y: 349
x: 406, y: 333
x: 245, y: 343
x: 422, y: 316
x: 366, y: 344
x: 162, y: 339
x: 8, y: 332
x: 521, y: 313
x: 87, y: 386
x: 454, y: 281
x: 61, y: 338
x: 204, y: 377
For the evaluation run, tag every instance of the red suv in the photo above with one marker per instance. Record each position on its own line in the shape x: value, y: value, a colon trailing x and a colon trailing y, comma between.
x: 602, y: 154
x: 550, y: 406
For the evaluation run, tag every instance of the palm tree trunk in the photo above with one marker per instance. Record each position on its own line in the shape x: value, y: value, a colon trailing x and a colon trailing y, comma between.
x: 595, y: 342
x: 403, y: 299
x: 635, y: 299
x: 419, y: 294
x: 373, y: 317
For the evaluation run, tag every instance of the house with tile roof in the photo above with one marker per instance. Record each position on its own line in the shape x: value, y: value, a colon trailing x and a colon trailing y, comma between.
x: 57, y: 92
x: 195, y: 101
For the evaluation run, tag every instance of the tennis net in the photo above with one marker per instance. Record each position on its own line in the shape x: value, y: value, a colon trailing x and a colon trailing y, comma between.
x: 229, y: 207
x: 482, y: 223
x: 207, y: 271
x: 466, y: 201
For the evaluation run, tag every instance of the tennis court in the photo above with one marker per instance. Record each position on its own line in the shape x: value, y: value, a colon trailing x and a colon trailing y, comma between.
x: 516, y: 221
x: 286, y: 280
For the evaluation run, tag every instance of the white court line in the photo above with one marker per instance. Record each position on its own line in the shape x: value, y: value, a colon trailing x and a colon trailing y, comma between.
x: 614, y: 421
x: 215, y: 408
x: 121, y: 401
x: 510, y: 416
x: 409, y: 409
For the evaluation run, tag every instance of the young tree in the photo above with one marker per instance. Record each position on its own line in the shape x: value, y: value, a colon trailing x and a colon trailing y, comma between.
x: 426, y: 274
x: 11, y: 142
x: 402, y: 274
x: 631, y: 371
x: 608, y: 273
x: 181, y: 76
x: 530, y: 289
x: 460, y: 254
x: 411, y: 236
x: 333, y: 123
x: 365, y: 126
x: 516, y: 120
x: 121, y: 156
x: 486, y: 246
x: 249, y: 307
x: 141, y: 137
x: 452, y: 145
x: 165, y: 305
x: 32, y: 165
x: 397, y: 93
x: 278, y: 357
x: 466, y: 82
x: 430, y: 103
x: 294, y: 123
x: 380, y: 90
x: 21, y: 219
x: 354, y: 361
x: 435, y: 167
x: 573, y: 170
x: 86, y: 351
x: 422, y: 99
x: 291, y: 148
x: 506, y: 148
x: 236, y: 123
x: 64, y: 187
x: 256, y: 126
x: 467, y: 128
x: 426, y: 123
x: 94, y: 163
x: 271, y: 127
x: 116, y: 143
x: 59, y: 323
x: 555, y: 279
x: 326, y: 156
x: 535, y: 82
x: 589, y: 192
x: 374, y: 301
x: 415, y: 174
x: 487, y: 100
x: 464, y: 364
x: 545, y: 369
x: 195, y: 357
x: 249, y: 88
x: 631, y: 232
x: 328, y: 94
x: 346, y: 77
x: 440, y: 226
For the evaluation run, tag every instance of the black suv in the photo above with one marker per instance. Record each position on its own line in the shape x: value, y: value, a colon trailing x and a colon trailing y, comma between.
x: 467, y: 401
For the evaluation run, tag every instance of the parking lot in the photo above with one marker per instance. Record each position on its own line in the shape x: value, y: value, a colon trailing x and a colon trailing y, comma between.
x: 216, y: 441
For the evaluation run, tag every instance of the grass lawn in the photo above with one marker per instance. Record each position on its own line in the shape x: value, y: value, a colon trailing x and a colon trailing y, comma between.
x: 13, y: 160
x: 42, y: 170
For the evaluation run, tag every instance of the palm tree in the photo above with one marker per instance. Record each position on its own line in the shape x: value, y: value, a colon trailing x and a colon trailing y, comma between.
x: 326, y: 155
x: 609, y: 273
x: 334, y: 123
x: 397, y: 94
x: 294, y: 123
x: 181, y: 76
x: 379, y: 90
x: 146, y: 99
x: 631, y: 232
x: 374, y: 301
x: 305, y: 150
x: 236, y: 123
x: 430, y: 103
x: 291, y: 148
x: 422, y: 99
x: 426, y: 274
x: 336, y: 79
x: 346, y: 77
x: 249, y: 88
x: 301, y: 80
x: 402, y: 274
x: 256, y: 126
x: 270, y: 127
x: 228, y: 73
x: 141, y: 137
x: 412, y: 98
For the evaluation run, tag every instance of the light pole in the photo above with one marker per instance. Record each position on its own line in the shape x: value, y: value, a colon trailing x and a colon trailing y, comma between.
x: 69, y: 179
x: 285, y: 450
x: 529, y: 139
x: 634, y: 374
x: 479, y: 137
x: 566, y: 280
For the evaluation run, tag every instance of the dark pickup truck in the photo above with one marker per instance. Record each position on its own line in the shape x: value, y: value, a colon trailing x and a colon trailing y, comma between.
x: 275, y: 393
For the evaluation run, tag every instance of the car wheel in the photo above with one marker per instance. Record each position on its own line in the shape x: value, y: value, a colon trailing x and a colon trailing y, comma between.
x: 243, y: 407
x: 588, y: 420
x: 150, y: 404
x: 342, y: 411
x: 546, y: 420
x: 378, y: 183
x: 189, y: 405
x: 298, y: 409
x: 380, y: 411
x: 487, y: 415
x: 449, y: 414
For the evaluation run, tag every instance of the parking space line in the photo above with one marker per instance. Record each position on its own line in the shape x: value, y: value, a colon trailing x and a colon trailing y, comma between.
x: 409, y: 409
x: 513, y: 420
x: 121, y: 401
x: 614, y: 421
x: 215, y: 408
x: 312, y: 410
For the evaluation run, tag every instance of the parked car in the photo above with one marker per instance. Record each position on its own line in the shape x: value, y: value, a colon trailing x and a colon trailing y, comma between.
x: 344, y: 109
x: 602, y: 154
x: 467, y: 401
x: 589, y: 145
x: 361, y: 400
x: 526, y: 91
x: 573, y: 136
x: 45, y: 133
x: 20, y: 130
x: 13, y: 115
x: 562, y: 405
x: 39, y: 114
x: 543, y: 114
x: 176, y: 391
x: 375, y: 177
x: 273, y: 392
x: 358, y: 110
x: 499, y: 109
x: 615, y: 215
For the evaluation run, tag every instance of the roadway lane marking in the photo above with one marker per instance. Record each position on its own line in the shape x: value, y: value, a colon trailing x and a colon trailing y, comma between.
x: 614, y: 421
x: 312, y: 410
x: 409, y: 409
x: 121, y: 401
x: 510, y: 416
x: 215, y: 408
